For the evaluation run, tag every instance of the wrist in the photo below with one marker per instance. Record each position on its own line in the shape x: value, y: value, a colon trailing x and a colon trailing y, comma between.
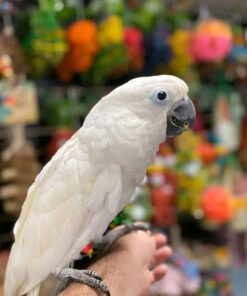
x: 112, y: 269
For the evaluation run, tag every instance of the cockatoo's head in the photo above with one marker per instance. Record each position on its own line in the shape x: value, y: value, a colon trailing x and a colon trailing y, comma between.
x: 160, y: 99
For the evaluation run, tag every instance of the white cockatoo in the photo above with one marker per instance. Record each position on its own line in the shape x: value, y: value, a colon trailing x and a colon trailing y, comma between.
x: 93, y: 176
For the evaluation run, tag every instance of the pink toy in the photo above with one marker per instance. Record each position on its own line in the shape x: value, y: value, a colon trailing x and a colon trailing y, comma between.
x: 133, y: 39
x: 212, y: 41
x: 176, y: 283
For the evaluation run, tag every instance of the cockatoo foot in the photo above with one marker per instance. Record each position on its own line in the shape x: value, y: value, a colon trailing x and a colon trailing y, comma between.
x: 104, y: 246
x: 85, y: 276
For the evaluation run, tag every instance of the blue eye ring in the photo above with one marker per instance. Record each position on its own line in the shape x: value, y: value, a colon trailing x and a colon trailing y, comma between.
x: 160, y: 97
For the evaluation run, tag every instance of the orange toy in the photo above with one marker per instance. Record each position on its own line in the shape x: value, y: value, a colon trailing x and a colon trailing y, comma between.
x: 217, y: 204
x: 81, y: 33
x: 83, y: 46
x: 206, y: 152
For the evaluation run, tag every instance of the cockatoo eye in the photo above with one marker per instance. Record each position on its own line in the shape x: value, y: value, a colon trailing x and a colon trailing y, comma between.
x: 160, y: 97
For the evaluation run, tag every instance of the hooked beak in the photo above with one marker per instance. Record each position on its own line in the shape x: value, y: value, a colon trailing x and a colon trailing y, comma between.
x: 180, y: 118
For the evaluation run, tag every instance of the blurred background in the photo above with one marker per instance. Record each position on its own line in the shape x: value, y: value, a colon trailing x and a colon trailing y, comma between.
x: 59, y: 57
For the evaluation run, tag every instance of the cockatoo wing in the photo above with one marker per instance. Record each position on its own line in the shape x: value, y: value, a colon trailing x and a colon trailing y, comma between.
x: 70, y: 203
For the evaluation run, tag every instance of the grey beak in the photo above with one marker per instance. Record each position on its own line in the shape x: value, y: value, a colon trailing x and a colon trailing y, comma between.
x: 181, y: 117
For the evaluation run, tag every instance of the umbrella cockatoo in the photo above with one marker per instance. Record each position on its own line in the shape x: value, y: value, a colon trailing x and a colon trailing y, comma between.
x: 92, y: 177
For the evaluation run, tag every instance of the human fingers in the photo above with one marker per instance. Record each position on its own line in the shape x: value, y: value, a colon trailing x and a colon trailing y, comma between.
x: 162, y: 254
x: 158, y: 272
x: 160, y: 239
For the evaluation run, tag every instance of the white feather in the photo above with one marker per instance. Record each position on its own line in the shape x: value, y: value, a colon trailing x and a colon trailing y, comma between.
x: 55, y: 215
x: 34, y: 292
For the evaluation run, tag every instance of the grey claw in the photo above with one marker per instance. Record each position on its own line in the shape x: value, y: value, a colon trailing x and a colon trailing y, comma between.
x: 114, y: 235
x: 87, y: 277
x: 104, y: 289
x: 141, y: 226
x: 63, y: 284
x: 92, y: 274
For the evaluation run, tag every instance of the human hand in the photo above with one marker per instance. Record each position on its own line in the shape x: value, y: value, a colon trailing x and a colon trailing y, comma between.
x: 135, y: 262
